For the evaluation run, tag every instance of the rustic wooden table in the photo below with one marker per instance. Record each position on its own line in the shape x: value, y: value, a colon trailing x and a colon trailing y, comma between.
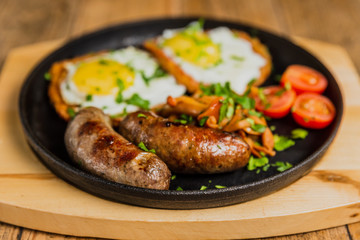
x: 334, y: 21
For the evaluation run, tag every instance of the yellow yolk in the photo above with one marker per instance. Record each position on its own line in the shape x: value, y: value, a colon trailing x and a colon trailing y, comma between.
x: 102, y: 76
x: 196, y: 48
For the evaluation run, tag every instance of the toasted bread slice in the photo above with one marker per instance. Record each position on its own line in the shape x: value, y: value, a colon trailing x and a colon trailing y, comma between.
x: 192, y: 84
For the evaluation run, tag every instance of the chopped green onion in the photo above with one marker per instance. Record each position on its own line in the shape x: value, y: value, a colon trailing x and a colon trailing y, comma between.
x: 219, y: 186
x: 173, y: 177
x: 179, y: 189
x: 203, y: 188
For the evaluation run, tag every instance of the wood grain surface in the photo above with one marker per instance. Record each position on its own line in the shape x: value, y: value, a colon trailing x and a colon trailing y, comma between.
x: 334, y: 21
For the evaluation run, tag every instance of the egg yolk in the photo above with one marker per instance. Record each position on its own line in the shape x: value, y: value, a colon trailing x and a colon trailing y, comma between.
x: 102, y: 76
x: 196, y: 48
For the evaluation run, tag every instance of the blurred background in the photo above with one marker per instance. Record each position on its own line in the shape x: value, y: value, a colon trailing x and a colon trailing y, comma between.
x: 29, y: 21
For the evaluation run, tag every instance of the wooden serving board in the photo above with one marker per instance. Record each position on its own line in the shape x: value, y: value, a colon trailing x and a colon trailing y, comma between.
x: 31, y: 196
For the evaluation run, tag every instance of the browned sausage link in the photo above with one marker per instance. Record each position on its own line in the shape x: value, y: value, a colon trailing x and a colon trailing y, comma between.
x: 92, y: 143
x: 185, y: 148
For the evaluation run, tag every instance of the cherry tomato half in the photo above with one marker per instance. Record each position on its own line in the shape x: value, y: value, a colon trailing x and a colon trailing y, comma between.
x: 313, y: 110
x: 274, y: 101
x: 304, y: 79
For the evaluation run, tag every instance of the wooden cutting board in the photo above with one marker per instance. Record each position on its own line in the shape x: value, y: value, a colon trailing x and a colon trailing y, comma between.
x: 31, y: 196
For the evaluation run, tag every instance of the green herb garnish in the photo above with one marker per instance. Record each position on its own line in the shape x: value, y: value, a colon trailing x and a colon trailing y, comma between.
x: 282, y: 142
x: 71, y: 112
x: 203, y: 121
x: 142, y: 146
x: 159, y: 72
x: 203, y: 188
x: 299, y: 133
x: 237, y: 58
x: 47, y: 76
x: 282, y: 166
x: 88, y: 97
x: 219, y: 186
x: 179, y: 189
x: 141, y: 115
x: 255, y: 163
x: 136, y: 100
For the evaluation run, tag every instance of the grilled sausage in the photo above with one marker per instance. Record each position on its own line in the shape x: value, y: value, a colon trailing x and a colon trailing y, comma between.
x: 91, y: 142
x: 186, y: 148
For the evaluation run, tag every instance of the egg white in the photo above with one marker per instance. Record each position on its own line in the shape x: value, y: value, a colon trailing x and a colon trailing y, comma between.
x: 156, y: 92
x: 239, y: 62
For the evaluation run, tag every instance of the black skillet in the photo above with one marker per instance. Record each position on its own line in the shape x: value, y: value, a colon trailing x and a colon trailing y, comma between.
x: 44, y: 130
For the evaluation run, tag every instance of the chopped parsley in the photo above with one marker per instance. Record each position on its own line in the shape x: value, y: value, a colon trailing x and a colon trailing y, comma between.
x: 184, y: 119
x: 142, y: 146
x: 179, y: 189
x: 141, y: 115
x: 226, y: 92
x: 227, y: 109
x: 136, y: 100
x: 256, y: 163
x: 159, y: 72
x: 124, y: 113
x: 282, y: 142
x: 256, y: 127
x: 71, y: 112
x: 47, y: 76
x: 88, y: 97
x: 203, y: 121
x: 299, y: 133
x: 195, y: 27
x: 282, y: 166
x: 103, y: 62
x: 237, y: 58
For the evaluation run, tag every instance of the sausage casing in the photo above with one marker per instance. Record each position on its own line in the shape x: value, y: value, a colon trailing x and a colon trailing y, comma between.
x: 186, y: 148
x: 92, y: 143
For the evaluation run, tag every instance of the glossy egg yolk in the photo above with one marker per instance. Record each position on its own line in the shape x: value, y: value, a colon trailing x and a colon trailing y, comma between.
x: 196, y: 48
x: 102, y: 77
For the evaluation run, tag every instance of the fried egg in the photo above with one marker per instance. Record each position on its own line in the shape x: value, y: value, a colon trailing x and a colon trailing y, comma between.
x: 214, y: 56
x: 119, y: 81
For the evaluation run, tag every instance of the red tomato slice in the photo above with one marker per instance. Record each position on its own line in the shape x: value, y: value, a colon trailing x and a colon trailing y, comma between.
x: 304, y: 79
x: 274, y: 101
x: 313, y: 110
